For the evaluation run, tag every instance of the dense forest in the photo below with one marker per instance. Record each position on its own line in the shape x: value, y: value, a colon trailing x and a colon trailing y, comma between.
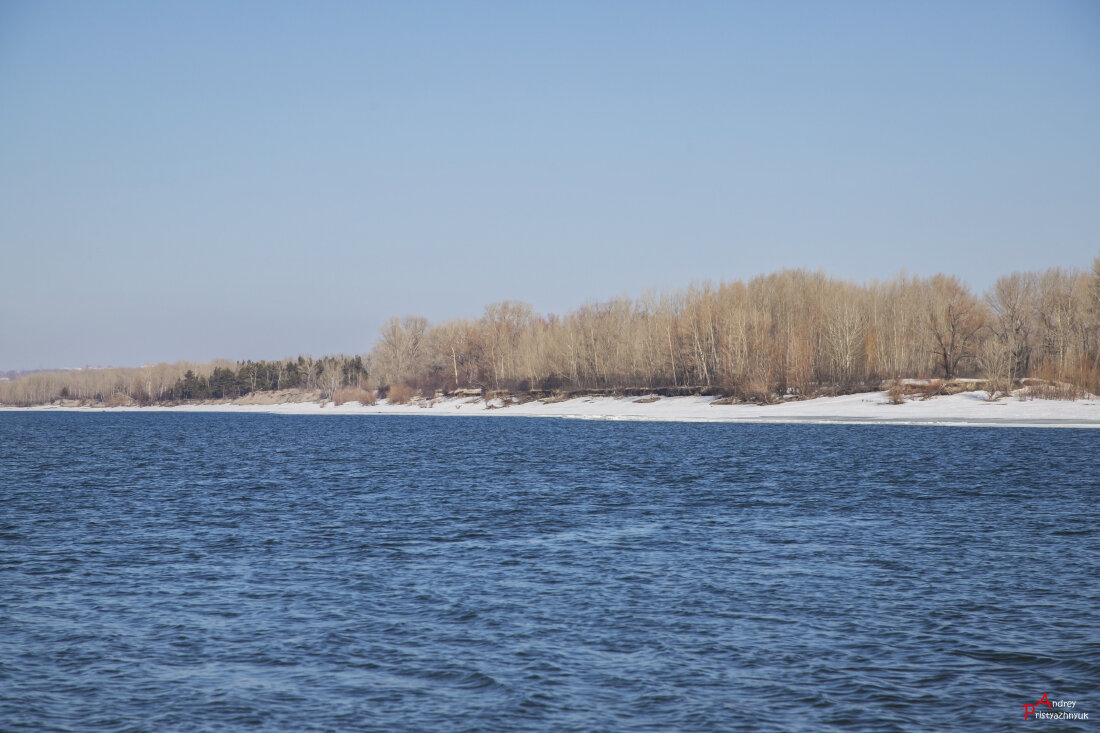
x: 789, y: 333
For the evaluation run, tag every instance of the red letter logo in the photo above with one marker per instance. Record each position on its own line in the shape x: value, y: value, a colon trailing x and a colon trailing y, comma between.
x: 1044, y: 701
x: 1027, y: 711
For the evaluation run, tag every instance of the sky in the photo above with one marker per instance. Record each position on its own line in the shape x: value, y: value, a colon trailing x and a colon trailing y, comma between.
x: 192, y: 180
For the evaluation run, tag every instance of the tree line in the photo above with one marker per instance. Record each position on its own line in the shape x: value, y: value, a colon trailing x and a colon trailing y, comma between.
x: 793, y: 332
x: 184, y: 381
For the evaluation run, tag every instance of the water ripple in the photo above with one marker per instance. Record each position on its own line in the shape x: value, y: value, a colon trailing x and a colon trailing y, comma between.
x: 210, y: 572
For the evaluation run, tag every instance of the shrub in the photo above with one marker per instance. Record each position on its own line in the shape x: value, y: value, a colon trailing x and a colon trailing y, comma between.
x: 118, y: 399
x: 896, y: 393
x: 400, y: 394
x: 354, y: 394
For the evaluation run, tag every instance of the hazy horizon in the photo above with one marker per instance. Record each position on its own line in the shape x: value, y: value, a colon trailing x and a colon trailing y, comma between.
x: 198, y: 181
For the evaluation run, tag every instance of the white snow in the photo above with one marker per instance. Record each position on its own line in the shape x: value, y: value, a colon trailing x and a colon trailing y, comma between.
x: 967, y: 408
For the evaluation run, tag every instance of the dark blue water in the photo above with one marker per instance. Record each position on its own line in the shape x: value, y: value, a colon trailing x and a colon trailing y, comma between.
x: 175, y: 572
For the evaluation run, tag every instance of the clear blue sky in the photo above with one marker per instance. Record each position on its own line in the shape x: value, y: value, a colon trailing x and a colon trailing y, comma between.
x: 254, y: 180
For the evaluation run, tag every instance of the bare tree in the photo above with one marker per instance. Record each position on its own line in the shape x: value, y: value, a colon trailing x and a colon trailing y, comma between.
x: 845, y: 326
x: 954, y: 320
x: 1011, y: 302
x: 398, y: 354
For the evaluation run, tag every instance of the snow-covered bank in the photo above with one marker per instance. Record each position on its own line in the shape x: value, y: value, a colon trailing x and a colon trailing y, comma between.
x: 967, y: 408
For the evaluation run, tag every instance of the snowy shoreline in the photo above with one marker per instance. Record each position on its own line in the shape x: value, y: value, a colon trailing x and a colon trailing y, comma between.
x: 871, y: 408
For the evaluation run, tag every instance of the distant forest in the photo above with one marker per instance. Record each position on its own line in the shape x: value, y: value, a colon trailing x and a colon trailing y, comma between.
x: 789, y: 333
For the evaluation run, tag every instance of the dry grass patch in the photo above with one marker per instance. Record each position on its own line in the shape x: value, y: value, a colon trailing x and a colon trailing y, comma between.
x: 1043, y: 390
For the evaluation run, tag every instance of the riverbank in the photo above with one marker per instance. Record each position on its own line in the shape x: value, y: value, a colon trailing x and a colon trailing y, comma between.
x: 967, y: 408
